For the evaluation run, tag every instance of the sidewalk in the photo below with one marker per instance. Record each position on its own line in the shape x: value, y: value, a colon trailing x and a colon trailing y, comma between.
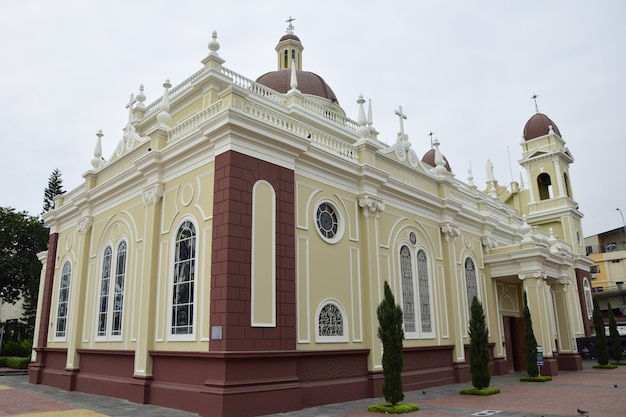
x: 600, y: 392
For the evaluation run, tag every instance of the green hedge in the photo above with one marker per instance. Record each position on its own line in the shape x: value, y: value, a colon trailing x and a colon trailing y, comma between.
x: 14, y: 362
x: 22, y: 348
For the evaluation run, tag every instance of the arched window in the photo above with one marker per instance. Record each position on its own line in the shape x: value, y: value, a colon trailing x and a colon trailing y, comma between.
x: 544, y: 185
x: 424, y: 292
x: 115, y: 286
x: 588, y: 297
x: 415, y: 285
x: 184, y: 279
x: 64, y: 295
x: 286, y: 59
x: 104, y: 291
x: 408, y: 300
x: 470, y: 281
x: 331, y: 323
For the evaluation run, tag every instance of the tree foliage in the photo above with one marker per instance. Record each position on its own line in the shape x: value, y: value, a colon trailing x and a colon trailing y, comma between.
x: 391, y: 335
x: 54, y: 188
x: 602, y: 350
x: 616, y: 344
x: 22, y: 236
x: 530, y: 342
x: 479, y: 346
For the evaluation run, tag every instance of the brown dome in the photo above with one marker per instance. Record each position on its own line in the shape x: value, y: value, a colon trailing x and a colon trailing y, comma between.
x: 539, y: 125
x: 429, y: 159
x: 290, y: 36
x: 308, y: 83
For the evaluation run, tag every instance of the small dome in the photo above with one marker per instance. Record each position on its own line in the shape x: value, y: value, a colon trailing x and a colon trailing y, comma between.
x: 308, y: 83
x: 289, y: 36
x: 539, y: 125
x: 429, y: 159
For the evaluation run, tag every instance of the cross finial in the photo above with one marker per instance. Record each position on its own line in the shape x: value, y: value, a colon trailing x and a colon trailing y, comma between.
x: 129, y: 106
x: 402, y: 117
x: 534, y: 97
x: 290, y: 27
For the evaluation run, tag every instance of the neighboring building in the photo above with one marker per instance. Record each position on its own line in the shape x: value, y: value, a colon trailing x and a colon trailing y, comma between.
x: 229, y: 258
x: 608, y: 272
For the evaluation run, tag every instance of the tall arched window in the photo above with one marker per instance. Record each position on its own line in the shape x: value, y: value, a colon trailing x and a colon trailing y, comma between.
x: 115, y: 286
x: 408, y: 299
x: 286, y: 59
x: 544, y: 184
x: 184, y: 279
x: 424, y: 292
x: 470, y: 281
x: 588, y: 297
x: 64, y: 296
x: 104, y: 291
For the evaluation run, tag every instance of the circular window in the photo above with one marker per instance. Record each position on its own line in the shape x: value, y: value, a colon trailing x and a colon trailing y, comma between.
x: 413, y: 238
x: 327, y: 222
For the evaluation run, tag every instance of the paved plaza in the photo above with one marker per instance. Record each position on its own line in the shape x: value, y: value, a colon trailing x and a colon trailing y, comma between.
x: 600, y: 392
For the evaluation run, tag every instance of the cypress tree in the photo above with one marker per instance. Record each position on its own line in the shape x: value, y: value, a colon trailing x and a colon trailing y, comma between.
x: 614, y: 335
x: 530, y: 342
x: 479, y: 346
x: 391, y: 335
x: 602, y: 350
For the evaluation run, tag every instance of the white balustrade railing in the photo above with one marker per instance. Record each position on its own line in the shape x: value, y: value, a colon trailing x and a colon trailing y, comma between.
x: 174, y: 92
x: 318, y: 138
x: 188, y: 126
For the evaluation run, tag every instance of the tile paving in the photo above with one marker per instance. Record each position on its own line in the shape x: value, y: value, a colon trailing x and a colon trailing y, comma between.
x: 600, y: 392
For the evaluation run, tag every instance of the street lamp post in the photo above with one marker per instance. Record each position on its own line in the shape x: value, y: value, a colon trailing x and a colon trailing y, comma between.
x: 624, y: 229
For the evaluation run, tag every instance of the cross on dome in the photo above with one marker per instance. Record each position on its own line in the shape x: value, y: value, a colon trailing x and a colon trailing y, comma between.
x: 534, y: 97
x: 290, y: 28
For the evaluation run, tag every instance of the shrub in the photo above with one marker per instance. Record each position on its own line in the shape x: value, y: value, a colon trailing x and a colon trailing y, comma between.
x: 3, y: 361
x: 545, y: 378
x: 482, y: 391
x: 22, y: 348
x: 393, y: 409
x: 17, y: 363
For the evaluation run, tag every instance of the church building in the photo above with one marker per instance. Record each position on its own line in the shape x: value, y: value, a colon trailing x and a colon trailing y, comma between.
x: 229, y: 257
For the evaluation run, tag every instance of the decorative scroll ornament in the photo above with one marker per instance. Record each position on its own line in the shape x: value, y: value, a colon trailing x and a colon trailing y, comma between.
x: 489, y: 243
x: 533, y: 274
x: 85, y: 224
x: 152, y: 195
x: 451, y: 231
x: 372, y: 206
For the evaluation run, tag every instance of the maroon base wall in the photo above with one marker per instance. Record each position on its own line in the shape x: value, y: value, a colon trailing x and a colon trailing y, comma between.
x: 216, y: 384
x: 569, y: 362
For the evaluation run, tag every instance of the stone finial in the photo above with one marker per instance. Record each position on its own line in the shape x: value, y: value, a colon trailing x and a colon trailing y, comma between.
x: 370, y: 121
x: 214, y: 45
x: 470, y: 178
x: 97, y: 152
x: 440, y: 163
x: 141, y: 97
x: 294, y: 76
x: 363, y: 131
x: 164, y: 117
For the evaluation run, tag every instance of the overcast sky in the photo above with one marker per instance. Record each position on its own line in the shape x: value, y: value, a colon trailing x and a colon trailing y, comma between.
x: 465, y: 70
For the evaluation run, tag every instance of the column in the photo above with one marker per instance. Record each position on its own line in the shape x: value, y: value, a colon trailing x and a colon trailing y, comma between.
x: 534, y: 284
x: 568, y: 359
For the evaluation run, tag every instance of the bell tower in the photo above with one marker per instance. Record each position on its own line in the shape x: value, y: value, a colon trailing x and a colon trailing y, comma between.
x: 546, y: 158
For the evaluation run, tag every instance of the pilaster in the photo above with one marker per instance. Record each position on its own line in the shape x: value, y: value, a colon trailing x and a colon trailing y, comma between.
x: 147, y: 294
x: 79, y: 278
x: 371, y: 207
